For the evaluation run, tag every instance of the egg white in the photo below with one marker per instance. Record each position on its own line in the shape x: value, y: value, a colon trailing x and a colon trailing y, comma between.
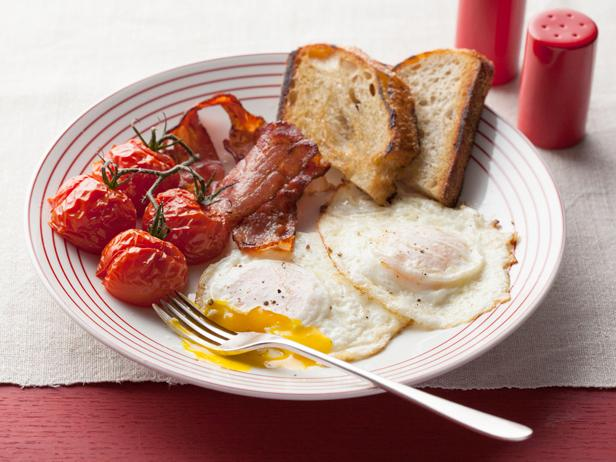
x: 437, y: 266
x: 308, y: 288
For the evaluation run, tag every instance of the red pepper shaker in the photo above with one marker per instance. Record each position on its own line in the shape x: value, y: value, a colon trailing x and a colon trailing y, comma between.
x: 493, y: 28
x: 556, y: 78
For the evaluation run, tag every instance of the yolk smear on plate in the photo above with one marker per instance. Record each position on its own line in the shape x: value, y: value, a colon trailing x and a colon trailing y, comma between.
x: 260, y: 320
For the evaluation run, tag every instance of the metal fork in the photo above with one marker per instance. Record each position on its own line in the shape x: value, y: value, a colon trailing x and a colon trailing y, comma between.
x: 192, y: 324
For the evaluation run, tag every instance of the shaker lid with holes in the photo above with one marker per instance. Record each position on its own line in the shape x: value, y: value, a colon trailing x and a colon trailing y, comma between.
x: 563, y: 29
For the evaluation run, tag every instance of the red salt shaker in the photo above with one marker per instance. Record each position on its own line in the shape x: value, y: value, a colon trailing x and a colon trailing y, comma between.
x: 493, y: 28
x: 556, y: 78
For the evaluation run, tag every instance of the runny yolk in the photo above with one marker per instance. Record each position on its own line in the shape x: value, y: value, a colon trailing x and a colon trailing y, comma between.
x: 260, y: 320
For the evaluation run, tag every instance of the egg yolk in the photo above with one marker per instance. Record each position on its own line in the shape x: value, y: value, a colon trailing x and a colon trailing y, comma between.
x: 260, y: 320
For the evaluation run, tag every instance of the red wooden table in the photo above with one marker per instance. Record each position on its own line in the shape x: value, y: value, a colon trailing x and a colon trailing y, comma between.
x: 158, y: 422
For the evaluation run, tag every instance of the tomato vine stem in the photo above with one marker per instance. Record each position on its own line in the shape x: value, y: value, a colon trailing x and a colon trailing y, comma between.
x: 111, y: 174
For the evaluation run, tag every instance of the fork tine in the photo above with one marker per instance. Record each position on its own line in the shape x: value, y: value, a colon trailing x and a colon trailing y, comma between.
x: 196, y: 327
x: 193, y: 310
x: 186, y: 331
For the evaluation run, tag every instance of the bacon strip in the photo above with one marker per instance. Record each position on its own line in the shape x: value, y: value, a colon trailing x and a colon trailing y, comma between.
x: 193, y: 133
x: 272, y: 226
x: 245, y: 129
x: 280, y: 156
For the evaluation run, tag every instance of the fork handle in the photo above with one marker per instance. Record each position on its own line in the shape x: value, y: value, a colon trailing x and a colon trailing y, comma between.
x: 478, y: 421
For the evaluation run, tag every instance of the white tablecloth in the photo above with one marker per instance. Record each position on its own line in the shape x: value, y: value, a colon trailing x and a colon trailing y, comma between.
x: 58, y: 58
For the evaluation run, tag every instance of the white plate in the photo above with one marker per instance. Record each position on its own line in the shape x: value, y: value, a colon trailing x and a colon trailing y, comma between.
x: 505, y: 179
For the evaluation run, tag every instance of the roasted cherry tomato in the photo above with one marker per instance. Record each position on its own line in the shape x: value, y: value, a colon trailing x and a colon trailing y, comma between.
x: 88, y: 214
x: 139, y: 268
x: 136, y: 154
x: 201, y: 236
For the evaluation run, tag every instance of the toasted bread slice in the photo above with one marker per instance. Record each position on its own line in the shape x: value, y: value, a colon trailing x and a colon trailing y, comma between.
x: 360, y: 114
x: 449, y: 87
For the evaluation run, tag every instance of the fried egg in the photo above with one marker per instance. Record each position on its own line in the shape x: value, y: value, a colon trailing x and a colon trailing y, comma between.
x: 305, y: 299
x: 437, y: 266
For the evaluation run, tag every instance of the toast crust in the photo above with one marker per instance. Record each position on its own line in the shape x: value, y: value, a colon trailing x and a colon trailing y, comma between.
x: 375, y: 175
x: 286, y: 83
x: 450, y: 176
